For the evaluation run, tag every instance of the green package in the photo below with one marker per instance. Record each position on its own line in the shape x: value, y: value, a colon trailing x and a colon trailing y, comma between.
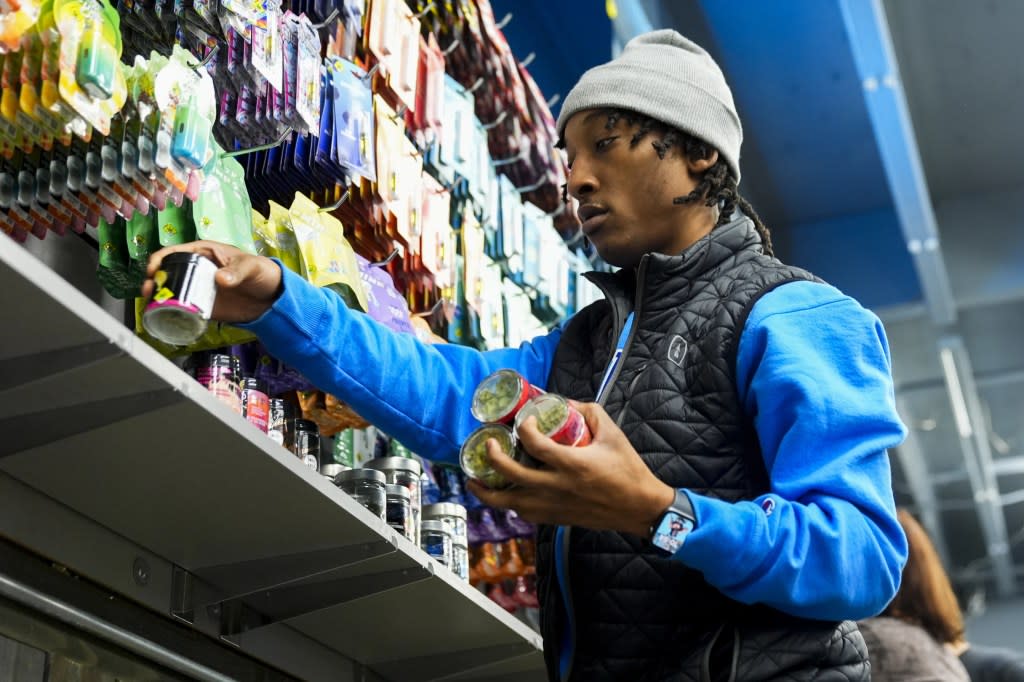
x: 112, y: 270
x: 142, y: 240
x: 222, y: 212
x: 279, y: 224
x: 174, y: 224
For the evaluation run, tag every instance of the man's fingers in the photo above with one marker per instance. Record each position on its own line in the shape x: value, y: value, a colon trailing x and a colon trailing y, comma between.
x: 518, y: 473
x: 542, y: 448
x: 596, y: 417
x: 218, y: 253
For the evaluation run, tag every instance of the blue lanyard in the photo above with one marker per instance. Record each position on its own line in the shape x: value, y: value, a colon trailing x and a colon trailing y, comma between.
x: 619, y: 347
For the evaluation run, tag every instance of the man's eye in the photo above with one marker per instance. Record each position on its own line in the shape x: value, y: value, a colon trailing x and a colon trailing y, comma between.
x: 603, y: 143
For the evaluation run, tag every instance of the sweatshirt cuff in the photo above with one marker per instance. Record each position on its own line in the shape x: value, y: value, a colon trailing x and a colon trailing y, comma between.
x: 300, y: 307
x: 718, y: 532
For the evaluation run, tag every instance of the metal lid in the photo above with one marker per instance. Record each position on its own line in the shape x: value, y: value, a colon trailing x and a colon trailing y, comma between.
x: 435, y: 527
x: 395, y: 464
x: 442, y: 509
x: 393, y: 490
x: 181, y: 257
x: 361, y: 475
x: 307, y: 425
x: 332, y: 469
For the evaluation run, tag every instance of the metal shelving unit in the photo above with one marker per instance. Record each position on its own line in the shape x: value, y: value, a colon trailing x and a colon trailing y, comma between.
x: 118, y: 466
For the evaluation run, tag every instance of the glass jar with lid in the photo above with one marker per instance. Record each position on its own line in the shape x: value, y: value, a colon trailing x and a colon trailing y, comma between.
x: 399, y: 511
x: 451, y: 514
x: 302, y: 437
x: 366, y: 486
x: 405, y: 472
x: 460, y: 558
x: 437, y: 541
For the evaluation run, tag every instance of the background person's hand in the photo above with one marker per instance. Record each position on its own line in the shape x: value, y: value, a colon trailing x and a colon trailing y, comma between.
x: 602, y: 486
x: 247, y: 285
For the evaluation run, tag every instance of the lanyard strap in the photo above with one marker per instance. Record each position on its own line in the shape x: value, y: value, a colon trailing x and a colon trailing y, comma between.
x: 619, y: 347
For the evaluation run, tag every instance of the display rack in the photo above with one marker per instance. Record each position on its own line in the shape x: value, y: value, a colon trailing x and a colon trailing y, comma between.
x: 120, y: 467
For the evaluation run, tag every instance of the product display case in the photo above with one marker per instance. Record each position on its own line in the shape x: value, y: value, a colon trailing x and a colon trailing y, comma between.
x: 142, y: 516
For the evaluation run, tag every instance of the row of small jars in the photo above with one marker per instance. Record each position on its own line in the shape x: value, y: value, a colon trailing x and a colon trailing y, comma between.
x: 389, y: 487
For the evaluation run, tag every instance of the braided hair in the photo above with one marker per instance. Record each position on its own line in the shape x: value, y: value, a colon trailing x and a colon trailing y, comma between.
x: 717, y: 186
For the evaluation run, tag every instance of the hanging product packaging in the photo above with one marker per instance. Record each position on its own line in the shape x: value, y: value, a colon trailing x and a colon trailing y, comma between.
x: 143, y: 241
x: 184, y: 292
x: 112, y: 270
x: 91, y: 80
x: 222, y: 212
x: 384, y: 303
x: 175, y: 225
x: 353, y: 120
x: 327, y: 258
x: 280, y: 227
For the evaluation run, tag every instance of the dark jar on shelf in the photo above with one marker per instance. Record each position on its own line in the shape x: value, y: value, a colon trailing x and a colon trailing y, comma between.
x: 366, y: 486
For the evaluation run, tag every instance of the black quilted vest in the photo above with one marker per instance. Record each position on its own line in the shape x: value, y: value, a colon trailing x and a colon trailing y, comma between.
x: 639, y: 615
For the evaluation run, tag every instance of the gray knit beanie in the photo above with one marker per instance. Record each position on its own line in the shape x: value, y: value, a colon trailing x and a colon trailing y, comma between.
x: 672, y: 79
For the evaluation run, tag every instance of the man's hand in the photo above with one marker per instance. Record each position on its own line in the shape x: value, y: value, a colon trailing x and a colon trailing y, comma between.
x: 603, y: 486
x: 247, y: 285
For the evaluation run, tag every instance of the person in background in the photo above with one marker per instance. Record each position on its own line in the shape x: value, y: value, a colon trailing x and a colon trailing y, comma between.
x: 743, y: 402
x: 926, y: 600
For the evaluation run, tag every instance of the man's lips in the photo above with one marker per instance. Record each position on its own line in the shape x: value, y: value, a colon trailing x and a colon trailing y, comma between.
x: 592, y: 217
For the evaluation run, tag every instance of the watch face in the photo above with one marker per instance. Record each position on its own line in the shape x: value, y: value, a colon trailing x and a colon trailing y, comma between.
x: 672, y: 531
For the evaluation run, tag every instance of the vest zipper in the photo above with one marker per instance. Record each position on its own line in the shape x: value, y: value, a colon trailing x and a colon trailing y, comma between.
x: 629, y: 393
x: 566, y: 537
x: 637, y: 304
x: 568, y: 603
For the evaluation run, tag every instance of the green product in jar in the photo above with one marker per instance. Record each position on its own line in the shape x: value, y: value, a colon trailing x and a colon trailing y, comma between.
x: 551, y: 416
x: 474, y: 459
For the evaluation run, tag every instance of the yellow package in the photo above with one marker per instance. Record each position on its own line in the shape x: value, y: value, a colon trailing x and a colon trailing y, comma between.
x: 328, y: 259
x: 279, y: 224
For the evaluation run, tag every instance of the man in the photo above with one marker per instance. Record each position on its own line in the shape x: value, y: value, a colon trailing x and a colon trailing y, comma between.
x: 741, y: 398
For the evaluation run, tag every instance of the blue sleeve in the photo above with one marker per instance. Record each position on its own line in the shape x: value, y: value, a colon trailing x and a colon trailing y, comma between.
x: 813, y: 371
x: 418, y: 393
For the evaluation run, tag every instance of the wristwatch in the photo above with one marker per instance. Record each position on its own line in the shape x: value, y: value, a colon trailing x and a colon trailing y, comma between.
x: 670, y: 530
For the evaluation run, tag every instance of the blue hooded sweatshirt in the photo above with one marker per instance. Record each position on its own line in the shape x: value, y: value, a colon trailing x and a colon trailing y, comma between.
x: 813, y: 370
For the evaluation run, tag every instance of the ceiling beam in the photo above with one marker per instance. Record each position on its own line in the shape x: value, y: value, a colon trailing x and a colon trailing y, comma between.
x: 920, y: 482
x: 977, y: 453
x: 871, y: 44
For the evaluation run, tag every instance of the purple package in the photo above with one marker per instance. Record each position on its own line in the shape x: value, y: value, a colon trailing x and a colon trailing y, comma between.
x: 279, y: 377
x: 384, y: 303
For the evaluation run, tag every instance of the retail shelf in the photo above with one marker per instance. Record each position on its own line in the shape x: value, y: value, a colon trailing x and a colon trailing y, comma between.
x: 97, y: 420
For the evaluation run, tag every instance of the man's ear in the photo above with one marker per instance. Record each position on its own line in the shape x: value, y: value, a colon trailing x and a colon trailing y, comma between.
x: 697, y: 167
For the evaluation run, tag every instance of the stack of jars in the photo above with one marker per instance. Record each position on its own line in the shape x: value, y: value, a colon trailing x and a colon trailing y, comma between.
x: 447, y: 519
x: 223, y: 375
x: 503, y: 402
x: 403, y: 492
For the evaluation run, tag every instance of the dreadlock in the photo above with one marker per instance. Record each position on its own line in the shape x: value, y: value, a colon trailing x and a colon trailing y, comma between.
x: 717, y: 186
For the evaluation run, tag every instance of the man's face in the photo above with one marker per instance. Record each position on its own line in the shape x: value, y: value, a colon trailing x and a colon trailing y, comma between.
x: 626, y: 192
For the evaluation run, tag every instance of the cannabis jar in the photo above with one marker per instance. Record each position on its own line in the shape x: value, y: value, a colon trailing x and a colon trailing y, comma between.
x: 499, y: 397
x: 406, y: 472
x: 437, y: 541
x: 399, y: 509
x: 183, y: 294
x: 450, y: 514
x: 557, y: 419
x: 473, y: 456
x: 367, y: 487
